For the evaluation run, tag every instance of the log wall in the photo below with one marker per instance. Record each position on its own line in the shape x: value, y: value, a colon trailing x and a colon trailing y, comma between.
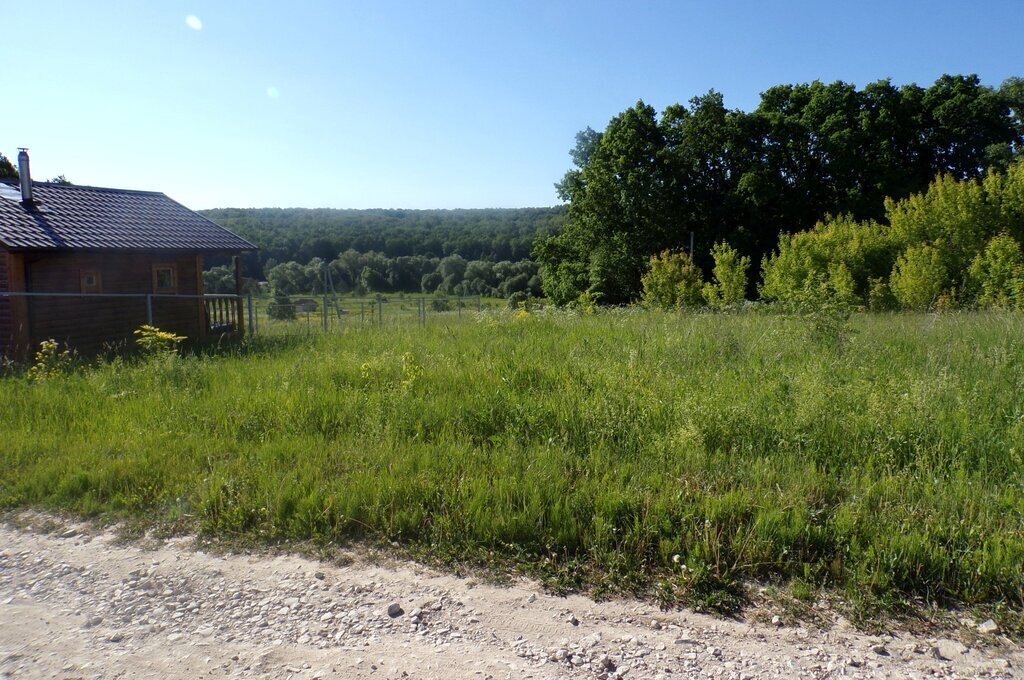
x: 92, y: 325
x: 6, y: 322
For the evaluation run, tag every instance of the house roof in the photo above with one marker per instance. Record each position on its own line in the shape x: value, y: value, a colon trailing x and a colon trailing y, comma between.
x: 71, y: 217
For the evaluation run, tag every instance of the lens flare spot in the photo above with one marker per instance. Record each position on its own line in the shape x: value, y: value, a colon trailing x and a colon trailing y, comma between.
x: 193, y: 22
x: 273, y: 92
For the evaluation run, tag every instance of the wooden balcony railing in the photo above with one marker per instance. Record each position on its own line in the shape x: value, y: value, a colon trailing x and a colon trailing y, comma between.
x: 221, y: 314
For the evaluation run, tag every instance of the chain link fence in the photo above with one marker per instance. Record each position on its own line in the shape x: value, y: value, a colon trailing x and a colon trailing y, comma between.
x: 98, y: 322
x: 101, y: 322
x: 309, y: 314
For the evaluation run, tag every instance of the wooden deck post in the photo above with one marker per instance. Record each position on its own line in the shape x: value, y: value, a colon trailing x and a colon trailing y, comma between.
x: 201, y: 291
x: 238, y: 291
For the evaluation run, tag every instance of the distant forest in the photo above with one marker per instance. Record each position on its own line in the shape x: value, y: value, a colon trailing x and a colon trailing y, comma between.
x: 301, y: 234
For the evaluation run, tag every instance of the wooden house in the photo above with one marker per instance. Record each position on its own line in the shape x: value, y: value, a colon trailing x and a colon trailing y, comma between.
x: 86, y: 266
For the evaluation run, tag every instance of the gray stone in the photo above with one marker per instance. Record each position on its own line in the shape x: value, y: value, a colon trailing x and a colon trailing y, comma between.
x: 988, y: 627
x: 947, y: 650
x: 395, y: 610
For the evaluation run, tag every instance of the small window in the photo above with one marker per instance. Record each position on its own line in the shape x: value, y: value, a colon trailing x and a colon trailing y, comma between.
x: 165, y: 278
x: 91, y: 282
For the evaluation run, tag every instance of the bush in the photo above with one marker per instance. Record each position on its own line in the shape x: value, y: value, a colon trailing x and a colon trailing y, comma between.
x: 50, y: 361
x: 519, y: 300
x: 956, y: 217
x: 865, y: 250
x: 281, y: 309
x: 730, y: 272
x: 563, y: 282
x: 586, y: 302
x: 672, y: 281
x: 880, y: 297
x: 154, y: 341
x: 919, y: 277
x: 996, y: 275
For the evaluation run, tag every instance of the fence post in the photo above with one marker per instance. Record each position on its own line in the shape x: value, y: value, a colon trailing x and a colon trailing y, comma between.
x: 149, y: 309
x: 325, y: 310
x: 478, y: 303
x: 252, y: 316
x: 380, y: 311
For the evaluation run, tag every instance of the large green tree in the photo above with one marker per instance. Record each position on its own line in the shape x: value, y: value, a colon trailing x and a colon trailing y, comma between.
x: 807, y: 151
x: 617, y: 210
x: 7, y: 169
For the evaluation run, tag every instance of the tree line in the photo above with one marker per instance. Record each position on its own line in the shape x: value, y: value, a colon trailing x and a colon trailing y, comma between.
x: 300, y: 234
x: 374, y: 272
x: 647, y: 182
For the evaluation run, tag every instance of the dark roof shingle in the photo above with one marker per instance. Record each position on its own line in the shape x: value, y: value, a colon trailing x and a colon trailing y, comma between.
x: 70, y: 217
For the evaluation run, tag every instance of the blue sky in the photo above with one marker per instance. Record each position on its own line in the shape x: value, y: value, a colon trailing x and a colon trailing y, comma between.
x: 424, y: 104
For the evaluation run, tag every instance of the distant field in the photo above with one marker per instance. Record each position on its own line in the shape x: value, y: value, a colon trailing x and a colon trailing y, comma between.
x: 886, y: 458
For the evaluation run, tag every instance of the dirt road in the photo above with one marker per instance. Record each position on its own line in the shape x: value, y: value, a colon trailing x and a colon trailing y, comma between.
x: 77, y: 603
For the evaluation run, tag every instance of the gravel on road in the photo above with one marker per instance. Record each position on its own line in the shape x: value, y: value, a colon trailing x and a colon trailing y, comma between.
x: 78, y: 602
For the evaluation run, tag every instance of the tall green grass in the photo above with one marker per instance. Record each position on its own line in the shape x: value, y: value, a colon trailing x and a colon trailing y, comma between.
x: 608, y: 445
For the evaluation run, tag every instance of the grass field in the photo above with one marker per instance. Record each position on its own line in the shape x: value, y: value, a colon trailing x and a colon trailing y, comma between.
x: 628, y: 451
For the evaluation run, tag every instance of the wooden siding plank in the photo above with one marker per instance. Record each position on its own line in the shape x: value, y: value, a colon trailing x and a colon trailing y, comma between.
x: 94, y: 324
x: 6, y: 317
x: 19, y: 347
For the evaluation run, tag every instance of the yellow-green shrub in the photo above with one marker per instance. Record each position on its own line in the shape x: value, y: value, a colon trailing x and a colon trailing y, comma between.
x: 996, y: 275
x: 672, y: 280
x: 919, y: 277
x: 730, y: 272
x: 863, y: 249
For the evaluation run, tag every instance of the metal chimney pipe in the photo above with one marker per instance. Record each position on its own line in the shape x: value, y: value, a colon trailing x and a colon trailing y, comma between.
x: 26, y: 176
